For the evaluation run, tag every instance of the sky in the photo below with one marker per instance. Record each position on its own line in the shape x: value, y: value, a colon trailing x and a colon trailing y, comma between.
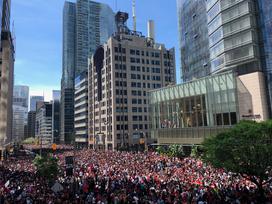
x: 38, y: 31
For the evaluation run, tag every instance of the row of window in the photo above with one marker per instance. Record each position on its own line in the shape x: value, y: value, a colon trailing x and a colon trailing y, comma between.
x: 138, y: 93
x: 138, y: 101
x: 138, y: 60
x: 121, y: 83
x: 143, y: 53
x: 138, y: 76
x: 137, y: 52
x: 139, y: 109
x: 139, y: 118
x: 140, y: 126
x: 135, y: 127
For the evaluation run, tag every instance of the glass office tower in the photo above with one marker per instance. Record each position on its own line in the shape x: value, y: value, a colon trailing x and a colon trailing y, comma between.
x: 95, y: 23
x: 86, y: 25
x: 68, y: 69
x: 233, y: 36
x: 265, y: 25
x: 193, y: 38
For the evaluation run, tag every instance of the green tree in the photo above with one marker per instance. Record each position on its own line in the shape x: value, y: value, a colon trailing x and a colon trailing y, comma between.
x: 245, y: 149
x: 160, y: 150
x: 196, y: 151
x: 47, y: 166
x: 175, y: 150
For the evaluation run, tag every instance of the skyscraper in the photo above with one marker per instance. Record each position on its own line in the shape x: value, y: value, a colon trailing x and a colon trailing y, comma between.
x: 7, y: 76
x: 20, y: 110
x: 193, y: 39
x: 233, y: 36
x: 81, y: 110
x: 86, y: 25
x: 121, y: 74
x: 34, y: 100
x: 239, y: 38
x: 5, y: 24
x: 31, y: 122
x: 44, y: 123
x: 20, y: 96
x: 68, y: 69
x: 56, y: 116
x: 94, y: 25
x: 239, y: 48
x: 264, y: 8
x: 56, y: 95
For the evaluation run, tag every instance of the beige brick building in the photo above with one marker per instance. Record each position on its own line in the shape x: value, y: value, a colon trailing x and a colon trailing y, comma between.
x: 121, y: 73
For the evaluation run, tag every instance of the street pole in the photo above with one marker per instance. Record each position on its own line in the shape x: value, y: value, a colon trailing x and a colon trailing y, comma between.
x: 40, y: 145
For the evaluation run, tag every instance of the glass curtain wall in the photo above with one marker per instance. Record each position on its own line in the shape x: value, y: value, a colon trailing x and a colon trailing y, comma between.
x: 193, y: 39
x: 265, y: 25
x: 207, y: 102
x: 232, y: 33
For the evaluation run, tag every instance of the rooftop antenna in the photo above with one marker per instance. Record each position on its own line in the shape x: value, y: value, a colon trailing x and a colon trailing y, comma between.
x: 134, y: 14
x: 116, y: 5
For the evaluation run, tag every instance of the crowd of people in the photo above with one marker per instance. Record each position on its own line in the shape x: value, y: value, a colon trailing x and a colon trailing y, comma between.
x: 125, y: 177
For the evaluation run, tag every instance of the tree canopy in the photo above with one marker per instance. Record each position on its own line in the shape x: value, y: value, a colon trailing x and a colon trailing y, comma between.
x: 47, y: 166
x: 245, y: 149
x: 173, y: 150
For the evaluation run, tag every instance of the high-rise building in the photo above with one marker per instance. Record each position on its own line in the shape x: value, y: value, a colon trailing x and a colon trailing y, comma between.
x: 31, y: 122
x: 86, y: 25
x: 193, y: 39
x: 21, y: 95
x: 34, y: 100
x: 68, y: 69
x: 6, y: 77
x: 19, y: 122
x: 239, y: 47
x: 6, y: 88
x: 239, y: 34
x: 47, y: 120
x: 94, y: 25
x: 233, y: 36
x: 121, y: 73
x: 44, y: 123
x: 5, y: 5
x: 264, y: 8
x: 81, y: 110
x: 20, y: 110
x: 56, y: 116
x: 56, y: 95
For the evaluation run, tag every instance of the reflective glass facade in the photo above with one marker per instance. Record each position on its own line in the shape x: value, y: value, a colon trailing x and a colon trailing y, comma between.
x: 195, y: 109
x: 69, y: 33
x: 233, y: 37
x: 95, y: 23
x: 68, y: 69
x: 86, y: 25
x: 265, y: 25
x: 193, y: 38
